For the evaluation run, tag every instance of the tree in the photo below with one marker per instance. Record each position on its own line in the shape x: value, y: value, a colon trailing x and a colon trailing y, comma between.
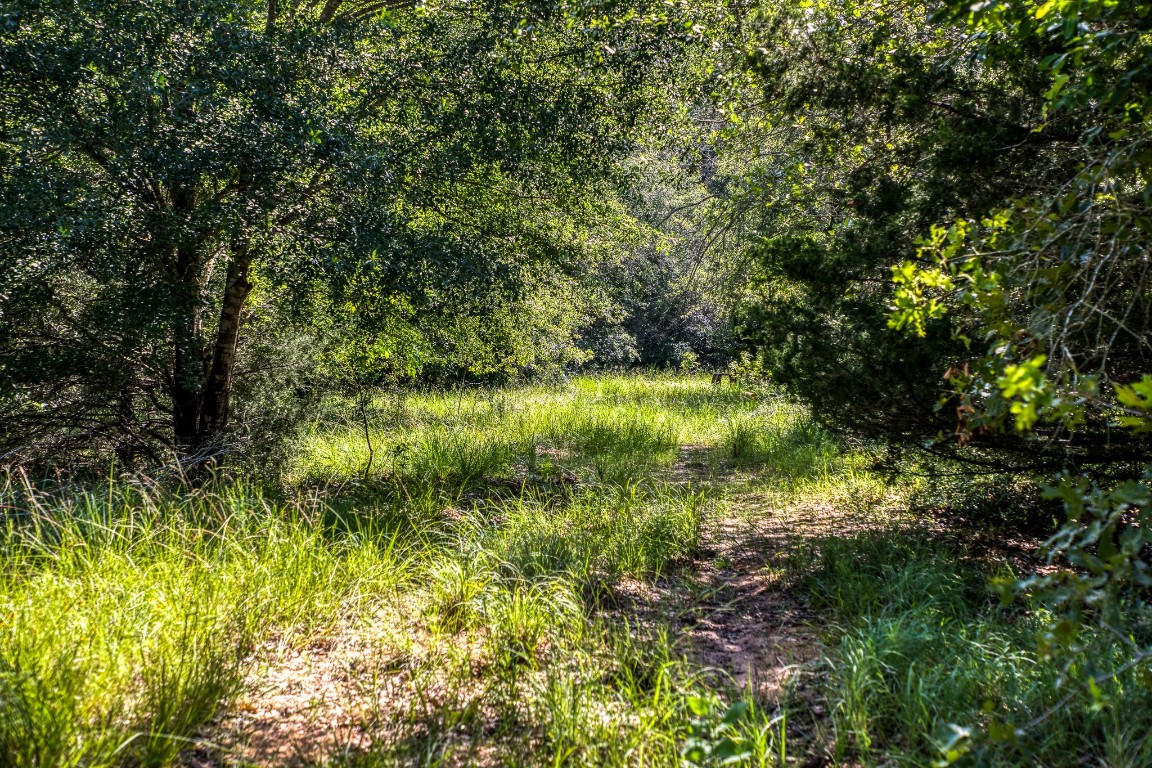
x: 854, y: 128
x: 667, y: 290
x: 157, y: 159
x: 1050, y: 295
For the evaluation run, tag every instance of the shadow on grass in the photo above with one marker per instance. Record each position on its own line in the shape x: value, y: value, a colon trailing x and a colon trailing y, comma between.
x: 922, y: 651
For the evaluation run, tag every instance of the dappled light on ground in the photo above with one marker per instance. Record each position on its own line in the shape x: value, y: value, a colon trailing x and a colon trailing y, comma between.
x: 564, y: 575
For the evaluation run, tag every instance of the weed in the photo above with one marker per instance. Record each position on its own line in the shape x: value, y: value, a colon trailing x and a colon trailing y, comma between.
x: 921, y: 653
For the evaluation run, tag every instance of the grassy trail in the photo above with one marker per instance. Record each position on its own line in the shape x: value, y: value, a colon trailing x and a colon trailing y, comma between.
x: 717, y: 612
x: 640, y: 571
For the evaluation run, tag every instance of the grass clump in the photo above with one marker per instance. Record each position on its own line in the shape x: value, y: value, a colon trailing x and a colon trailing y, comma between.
x: 596, y: 536
x: 778, y: 434
x: 130, y: 615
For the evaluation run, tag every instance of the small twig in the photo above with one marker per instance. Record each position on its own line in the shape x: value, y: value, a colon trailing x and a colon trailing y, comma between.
x: 362, y: 400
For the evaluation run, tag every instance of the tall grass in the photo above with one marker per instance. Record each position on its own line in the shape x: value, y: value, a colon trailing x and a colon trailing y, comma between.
x: 595, y: 536
x: 484, y: 556
x: 779, y: 434
x: 616, y: 430
x: 515, y: 591
x: 128, y: 615
x: 925, y: 663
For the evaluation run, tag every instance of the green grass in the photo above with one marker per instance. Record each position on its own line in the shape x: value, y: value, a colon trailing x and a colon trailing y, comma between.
x: 129, y: 614
x: 921, y: 654
x: 482, y: 565
x: 609, y: 430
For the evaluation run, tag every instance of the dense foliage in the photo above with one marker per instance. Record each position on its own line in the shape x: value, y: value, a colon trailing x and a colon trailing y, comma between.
x: 871, y: 123
x: 163, y: 162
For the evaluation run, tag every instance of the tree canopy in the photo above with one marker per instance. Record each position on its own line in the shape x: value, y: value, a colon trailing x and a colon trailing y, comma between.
x: 161, y: 161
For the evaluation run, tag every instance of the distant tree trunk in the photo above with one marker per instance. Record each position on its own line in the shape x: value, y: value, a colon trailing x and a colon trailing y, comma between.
x: 188, y: 362
x: 186, y: 384
x: 218, y: 388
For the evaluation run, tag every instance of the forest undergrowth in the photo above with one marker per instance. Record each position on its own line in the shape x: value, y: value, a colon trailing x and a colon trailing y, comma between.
x: 621, y: 570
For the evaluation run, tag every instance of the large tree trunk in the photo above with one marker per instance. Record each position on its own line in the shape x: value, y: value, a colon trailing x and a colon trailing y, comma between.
x: 201, y: 385
x: 202, y: 370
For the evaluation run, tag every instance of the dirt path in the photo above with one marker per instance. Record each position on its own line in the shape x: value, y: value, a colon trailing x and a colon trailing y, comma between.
x: 300, y: 706
x: 744, y: 620
x: 740, y: 617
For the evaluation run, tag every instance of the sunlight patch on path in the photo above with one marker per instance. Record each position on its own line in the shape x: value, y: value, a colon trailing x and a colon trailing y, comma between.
x: 304, y: 706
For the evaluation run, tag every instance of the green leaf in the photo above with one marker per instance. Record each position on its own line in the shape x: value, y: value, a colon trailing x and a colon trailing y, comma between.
x: 699, y: 707
x: 736, y: 712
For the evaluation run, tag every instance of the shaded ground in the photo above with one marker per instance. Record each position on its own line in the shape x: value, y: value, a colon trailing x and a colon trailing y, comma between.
x: 733, y: 607
x: 739, y: 613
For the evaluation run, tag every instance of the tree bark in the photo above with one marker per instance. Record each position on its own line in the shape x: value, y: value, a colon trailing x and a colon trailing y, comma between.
x: 188, y: 363
x: 218, y: 388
